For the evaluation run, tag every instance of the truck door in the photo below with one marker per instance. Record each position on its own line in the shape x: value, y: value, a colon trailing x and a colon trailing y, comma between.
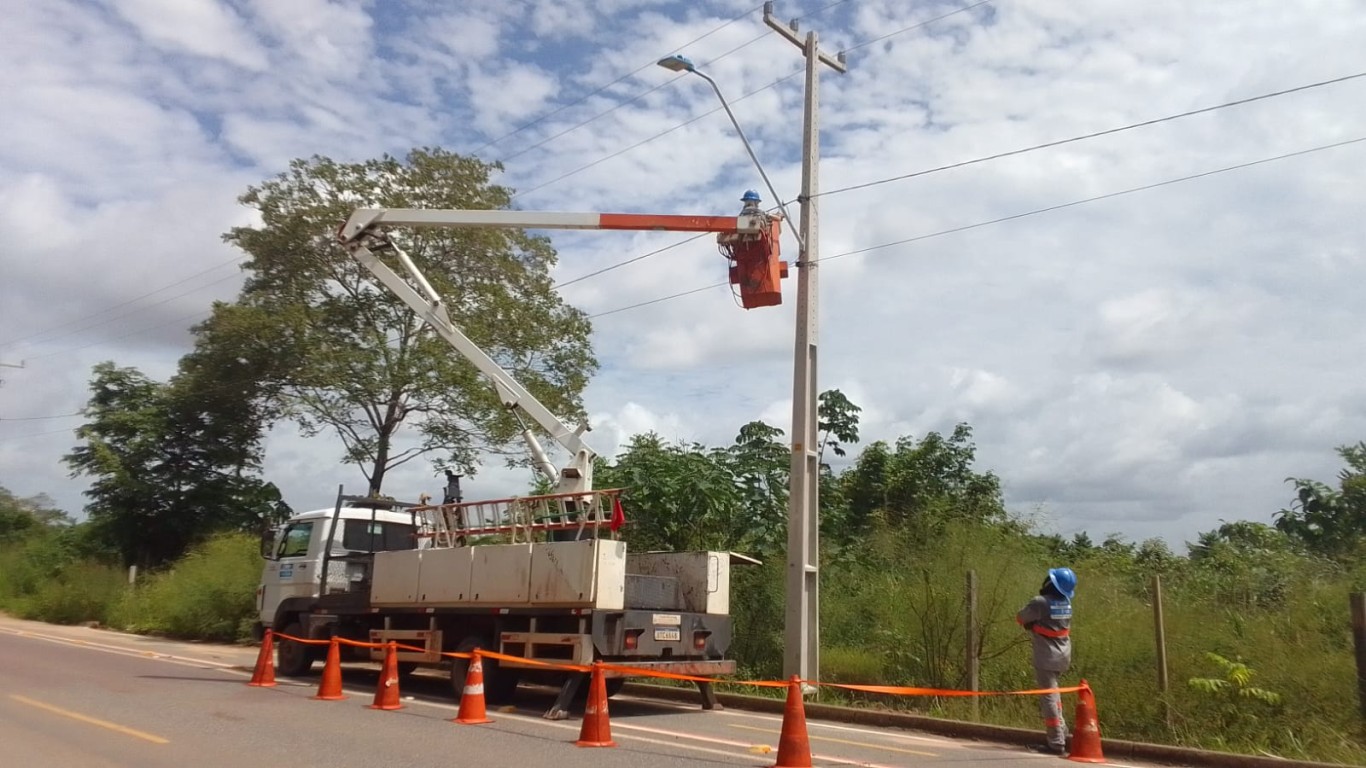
x: 292, y: 571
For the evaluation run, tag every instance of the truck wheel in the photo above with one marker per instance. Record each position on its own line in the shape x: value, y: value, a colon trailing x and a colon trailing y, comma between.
x: 293, y: 659
x: 500, y: 685
x: 614, y: 685
x: 406, y: 670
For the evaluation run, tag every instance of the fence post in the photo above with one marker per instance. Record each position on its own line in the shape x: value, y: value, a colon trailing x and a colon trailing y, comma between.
x: 972, y: 660
x: 1160, y: 628
x: 132, y: 575
x: 1359, y: 640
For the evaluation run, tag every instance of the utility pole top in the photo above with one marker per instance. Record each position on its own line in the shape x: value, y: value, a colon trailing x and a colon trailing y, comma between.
x: 789, y: 31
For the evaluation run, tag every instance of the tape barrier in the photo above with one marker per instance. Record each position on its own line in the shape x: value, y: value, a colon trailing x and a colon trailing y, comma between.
x: 894, y: 690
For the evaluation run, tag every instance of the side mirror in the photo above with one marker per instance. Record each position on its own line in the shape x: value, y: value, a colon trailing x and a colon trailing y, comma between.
x: 268, y: 544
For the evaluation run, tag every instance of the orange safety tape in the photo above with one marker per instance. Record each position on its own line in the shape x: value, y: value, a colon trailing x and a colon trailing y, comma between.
x: 909, y: 691
x: 896, y: 690
x: 534, y: 662
x: 303, y: 640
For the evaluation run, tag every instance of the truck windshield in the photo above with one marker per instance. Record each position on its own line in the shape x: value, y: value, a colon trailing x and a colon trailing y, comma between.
x: 368, y: 536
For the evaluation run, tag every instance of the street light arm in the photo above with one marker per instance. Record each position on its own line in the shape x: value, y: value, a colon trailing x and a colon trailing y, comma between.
x: 733, y: 121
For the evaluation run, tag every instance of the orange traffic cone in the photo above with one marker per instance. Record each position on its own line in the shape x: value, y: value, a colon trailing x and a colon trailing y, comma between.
x: 472, y: 697
x: 794, y: 746
x: 1086, y: 737
x: 596, y: 730
x: 264, y: 674
x: 330, y: 686
x: 386, y: 692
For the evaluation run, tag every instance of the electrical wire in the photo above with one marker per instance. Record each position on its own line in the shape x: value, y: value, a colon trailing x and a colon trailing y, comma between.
x: 1025, y: 214
x: 201, y: 313
x: 1094, y: 134
x: 121, y: 304
x: 985, y: 158
x: 604, y: 87
x: 917, y: 25
x: 39, y: 418
x: 12, y: 438
x: 649, y: 91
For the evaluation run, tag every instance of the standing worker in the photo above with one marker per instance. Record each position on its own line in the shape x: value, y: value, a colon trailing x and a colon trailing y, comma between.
x: 1048, y: 619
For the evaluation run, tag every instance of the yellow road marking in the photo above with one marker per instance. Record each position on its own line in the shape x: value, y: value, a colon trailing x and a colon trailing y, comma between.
x: 843, y: 741
x: 91, y: 720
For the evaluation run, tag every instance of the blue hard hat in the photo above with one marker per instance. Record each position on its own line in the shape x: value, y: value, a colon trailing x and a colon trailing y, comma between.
x: 1063, y: 580
x: 750, y: 195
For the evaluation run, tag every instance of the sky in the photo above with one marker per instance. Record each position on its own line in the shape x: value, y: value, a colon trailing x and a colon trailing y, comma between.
x: 1148, y: 330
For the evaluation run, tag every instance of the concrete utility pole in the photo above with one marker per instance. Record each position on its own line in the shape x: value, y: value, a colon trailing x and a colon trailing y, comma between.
x: 801, y: 633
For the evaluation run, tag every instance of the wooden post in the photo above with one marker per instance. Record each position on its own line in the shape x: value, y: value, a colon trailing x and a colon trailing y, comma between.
x: 1359, y: 640
x: 1160, y: 629
x: 132, y: 575
x: 972, y: 660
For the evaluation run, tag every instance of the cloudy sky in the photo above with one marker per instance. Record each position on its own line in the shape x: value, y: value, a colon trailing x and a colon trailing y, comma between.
x: 1148, y: 363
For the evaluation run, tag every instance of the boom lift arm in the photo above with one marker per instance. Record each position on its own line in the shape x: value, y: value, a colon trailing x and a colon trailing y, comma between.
x: 750, y: 241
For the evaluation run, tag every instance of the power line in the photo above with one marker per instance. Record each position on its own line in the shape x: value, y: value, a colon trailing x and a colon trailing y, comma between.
x: 126, y: 303
x: 661, y: 134
x: 658, y: 300
x: 713, y: 111
x: 649, y: 91
x: 917, y: 25
x: 40, y: 418
x: 1034, y: 212
x: 964, y: 163
x: 166, y: 300
x: 157, y: 326
x: 1096, y: 134
x: 621, y: 104
x: 10, y: 438
x: 602, y: 88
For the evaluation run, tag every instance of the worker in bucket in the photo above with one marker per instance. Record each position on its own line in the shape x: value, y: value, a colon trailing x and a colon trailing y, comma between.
x: 751, y: 202
x: 1048, y: 619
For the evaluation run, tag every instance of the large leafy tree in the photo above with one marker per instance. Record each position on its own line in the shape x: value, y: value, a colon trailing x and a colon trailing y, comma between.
x: 1331, y: 521
x: 334, y: 352
x: 687, y: 496
x: 920, y: 484
x: 21, y: 517
x: 169, y: 463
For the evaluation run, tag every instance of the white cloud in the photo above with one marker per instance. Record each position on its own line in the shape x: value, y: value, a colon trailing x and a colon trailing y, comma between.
x: 199, y: 27
x: 1150, y: 363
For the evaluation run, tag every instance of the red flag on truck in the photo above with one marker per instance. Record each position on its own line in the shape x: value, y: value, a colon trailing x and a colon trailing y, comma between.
x: 618, y: 516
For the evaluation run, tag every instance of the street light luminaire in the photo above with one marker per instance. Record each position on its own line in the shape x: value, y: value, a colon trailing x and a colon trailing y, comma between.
x: 680, y: 63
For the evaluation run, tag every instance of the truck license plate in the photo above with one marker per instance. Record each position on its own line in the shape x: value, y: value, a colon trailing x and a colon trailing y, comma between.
x: 669, y: 634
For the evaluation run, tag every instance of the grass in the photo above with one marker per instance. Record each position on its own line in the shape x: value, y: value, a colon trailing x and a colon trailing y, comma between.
x: 894, y: 614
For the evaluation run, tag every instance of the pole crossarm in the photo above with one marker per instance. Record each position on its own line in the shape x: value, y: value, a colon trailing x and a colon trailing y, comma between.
x: 789, y: 31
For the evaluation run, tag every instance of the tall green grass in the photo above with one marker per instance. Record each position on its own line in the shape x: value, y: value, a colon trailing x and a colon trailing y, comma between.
x: 900, y: 609
x: 210, y: 594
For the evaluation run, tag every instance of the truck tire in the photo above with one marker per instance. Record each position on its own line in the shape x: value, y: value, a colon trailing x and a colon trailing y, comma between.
x: 500, y: 685
x: 614, y: 685
x: 293, y: 659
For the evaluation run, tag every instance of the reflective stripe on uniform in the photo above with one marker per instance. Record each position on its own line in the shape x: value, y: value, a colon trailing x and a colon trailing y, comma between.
x: 1046, y: 632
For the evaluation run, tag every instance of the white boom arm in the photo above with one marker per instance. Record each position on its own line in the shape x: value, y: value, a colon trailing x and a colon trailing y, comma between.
x: 358, y: 233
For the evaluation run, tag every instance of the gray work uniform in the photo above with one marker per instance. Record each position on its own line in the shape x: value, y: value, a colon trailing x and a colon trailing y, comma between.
x: 1049, y: 621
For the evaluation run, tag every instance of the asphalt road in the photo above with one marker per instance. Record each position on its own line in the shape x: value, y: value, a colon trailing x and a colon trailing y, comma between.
x: 80, y: 698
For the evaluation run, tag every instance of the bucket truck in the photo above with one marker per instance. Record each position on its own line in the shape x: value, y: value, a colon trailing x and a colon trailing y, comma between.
x: 543, y: 578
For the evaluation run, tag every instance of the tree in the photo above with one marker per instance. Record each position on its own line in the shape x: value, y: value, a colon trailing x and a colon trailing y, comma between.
x: 687, y: 496
x: 332, y: 351
x: 22, y: 517
x: 837, y: 421
x: 168, y: 468
x: 921, y: 483
x: 1327, y: 521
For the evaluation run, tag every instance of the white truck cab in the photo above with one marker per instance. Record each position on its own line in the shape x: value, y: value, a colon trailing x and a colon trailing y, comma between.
x: 295, y: 554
